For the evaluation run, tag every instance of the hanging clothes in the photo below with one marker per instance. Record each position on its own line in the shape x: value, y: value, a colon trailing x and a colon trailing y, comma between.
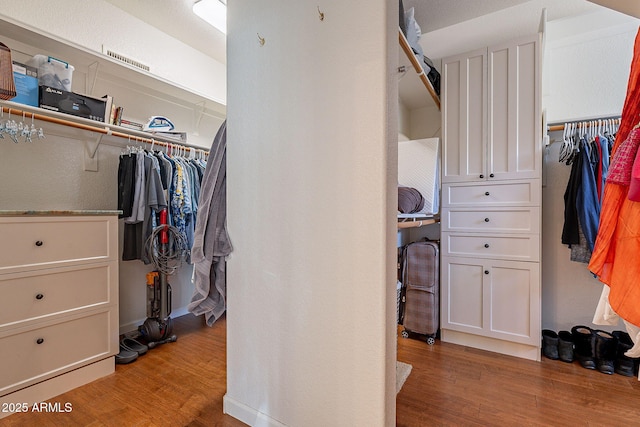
x: 587, y: 202
x: 149, y: 182
x: 586, y: 148
x: 570, y: 230
x: 211, y: 244
x: 614, y: 260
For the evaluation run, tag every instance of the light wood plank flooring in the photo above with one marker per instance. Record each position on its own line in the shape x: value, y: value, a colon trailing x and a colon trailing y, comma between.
x: 182, y: 384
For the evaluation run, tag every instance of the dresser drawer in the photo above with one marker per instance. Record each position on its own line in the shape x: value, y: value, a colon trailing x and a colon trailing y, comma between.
x: 29, y: 296
x: 498, y: 220
x: 517, y: 247
x: 512, y: 193
x: 34, y: 355
x: 44, y: 241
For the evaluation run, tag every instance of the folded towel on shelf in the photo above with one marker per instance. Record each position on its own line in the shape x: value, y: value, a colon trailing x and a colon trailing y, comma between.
x: 409, y: 200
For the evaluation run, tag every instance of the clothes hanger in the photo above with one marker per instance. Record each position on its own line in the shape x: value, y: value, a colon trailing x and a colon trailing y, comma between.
x: 567, y: 146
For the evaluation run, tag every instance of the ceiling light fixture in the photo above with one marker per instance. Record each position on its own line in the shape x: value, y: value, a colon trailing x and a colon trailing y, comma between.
x: 214, y: 12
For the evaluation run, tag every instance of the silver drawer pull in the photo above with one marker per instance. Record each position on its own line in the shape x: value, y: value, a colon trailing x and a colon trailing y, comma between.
x: 39, y: 243
x: 39, y: 340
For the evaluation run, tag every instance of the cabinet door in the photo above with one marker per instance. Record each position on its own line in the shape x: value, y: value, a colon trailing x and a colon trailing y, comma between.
x: 464, y: 117
x: 492, y: 298
x: 514, y: 112
x: 512, y: 290
x: 462, y: 294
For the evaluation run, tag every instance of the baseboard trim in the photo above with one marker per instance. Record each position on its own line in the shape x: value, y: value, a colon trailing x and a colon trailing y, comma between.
x: 491, y: 344
x: 247, y: 415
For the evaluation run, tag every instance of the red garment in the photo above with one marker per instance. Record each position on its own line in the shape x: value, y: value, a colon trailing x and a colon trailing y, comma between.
x: 615, y: 255
x: 622, y: 162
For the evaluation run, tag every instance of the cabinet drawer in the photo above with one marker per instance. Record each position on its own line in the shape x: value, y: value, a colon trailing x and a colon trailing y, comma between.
x: 506, y: 220
x: 43, y: 241
x: 35, y: 355
x: 513, y: 193
x: 518, y: 247
x: 28, y: 296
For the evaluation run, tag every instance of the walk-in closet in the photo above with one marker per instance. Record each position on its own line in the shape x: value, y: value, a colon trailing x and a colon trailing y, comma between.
x: 207, y: 226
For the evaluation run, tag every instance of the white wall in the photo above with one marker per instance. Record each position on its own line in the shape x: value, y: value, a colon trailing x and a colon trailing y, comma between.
x: 50, y: 173
x: 311, y: 160
x: 586, y: 65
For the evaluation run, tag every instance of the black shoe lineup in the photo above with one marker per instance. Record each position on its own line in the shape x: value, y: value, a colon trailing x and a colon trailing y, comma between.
x: 592, y: 348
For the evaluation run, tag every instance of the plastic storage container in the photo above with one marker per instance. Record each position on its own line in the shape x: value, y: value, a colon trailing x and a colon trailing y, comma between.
x: 52, y: 72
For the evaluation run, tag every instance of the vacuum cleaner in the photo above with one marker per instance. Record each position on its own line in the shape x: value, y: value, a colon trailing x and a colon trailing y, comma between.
x: 166, y: 248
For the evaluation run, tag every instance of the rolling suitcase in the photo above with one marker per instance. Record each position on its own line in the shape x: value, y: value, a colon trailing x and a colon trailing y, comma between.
x: 420, y: 312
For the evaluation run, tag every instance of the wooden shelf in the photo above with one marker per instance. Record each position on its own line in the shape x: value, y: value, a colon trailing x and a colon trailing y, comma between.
x: 416, y: 222
x: 404, y: 43
x: 28, y: 112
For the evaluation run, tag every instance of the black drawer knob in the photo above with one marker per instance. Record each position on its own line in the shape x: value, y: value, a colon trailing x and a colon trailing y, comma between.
x: 39, y: 340
x: 486, y: 220
x: 39, y: 296
x: 486, y: 272
x: 491, y: 175
x: 481, y: 176
x: 486, y: 245
x: 39, y: 243
x: 486, y: 193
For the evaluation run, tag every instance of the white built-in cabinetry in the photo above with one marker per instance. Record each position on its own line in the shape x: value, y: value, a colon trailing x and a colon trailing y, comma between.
x: 491, y: 198
x: 58, y: 303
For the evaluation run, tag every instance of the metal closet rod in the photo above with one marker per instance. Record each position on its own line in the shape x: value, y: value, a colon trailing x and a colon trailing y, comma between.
x: 101, y: 130
x: 587, y: 122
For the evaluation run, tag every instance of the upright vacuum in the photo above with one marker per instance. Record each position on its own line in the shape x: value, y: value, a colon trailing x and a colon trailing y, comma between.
x: 167, y: 249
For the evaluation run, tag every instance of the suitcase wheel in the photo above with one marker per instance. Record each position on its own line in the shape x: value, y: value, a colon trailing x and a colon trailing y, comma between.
x: 431, y: 340
x: 405, y: 334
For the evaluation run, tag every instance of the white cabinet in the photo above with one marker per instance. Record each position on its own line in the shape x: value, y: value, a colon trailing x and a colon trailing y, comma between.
x: 491, y: 199
x: 491, y: 113
x: 58, y: 302
x: 493, y: 298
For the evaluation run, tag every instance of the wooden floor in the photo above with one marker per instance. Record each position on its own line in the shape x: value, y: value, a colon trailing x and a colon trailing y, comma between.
x: 182, y: 384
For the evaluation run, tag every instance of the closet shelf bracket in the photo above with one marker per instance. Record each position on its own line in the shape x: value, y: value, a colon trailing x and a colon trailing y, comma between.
x: 92, y: 67
x: 98, y: 142
x: 199, y: 113
x: 90, y: 159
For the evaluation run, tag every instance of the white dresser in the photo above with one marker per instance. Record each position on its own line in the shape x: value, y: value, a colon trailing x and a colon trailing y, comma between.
x: 491, y: 199
x: 58, y: 302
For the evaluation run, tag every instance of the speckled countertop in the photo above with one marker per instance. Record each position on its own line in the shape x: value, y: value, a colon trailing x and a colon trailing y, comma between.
x: 58, y: 213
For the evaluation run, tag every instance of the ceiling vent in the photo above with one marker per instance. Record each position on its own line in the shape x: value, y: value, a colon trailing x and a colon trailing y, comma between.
x: 125, y: 59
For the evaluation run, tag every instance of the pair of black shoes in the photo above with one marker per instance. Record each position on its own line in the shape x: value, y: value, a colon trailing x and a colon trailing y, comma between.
x: 604, y: 351
x: 594, y: 349
x: 558, y: 346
